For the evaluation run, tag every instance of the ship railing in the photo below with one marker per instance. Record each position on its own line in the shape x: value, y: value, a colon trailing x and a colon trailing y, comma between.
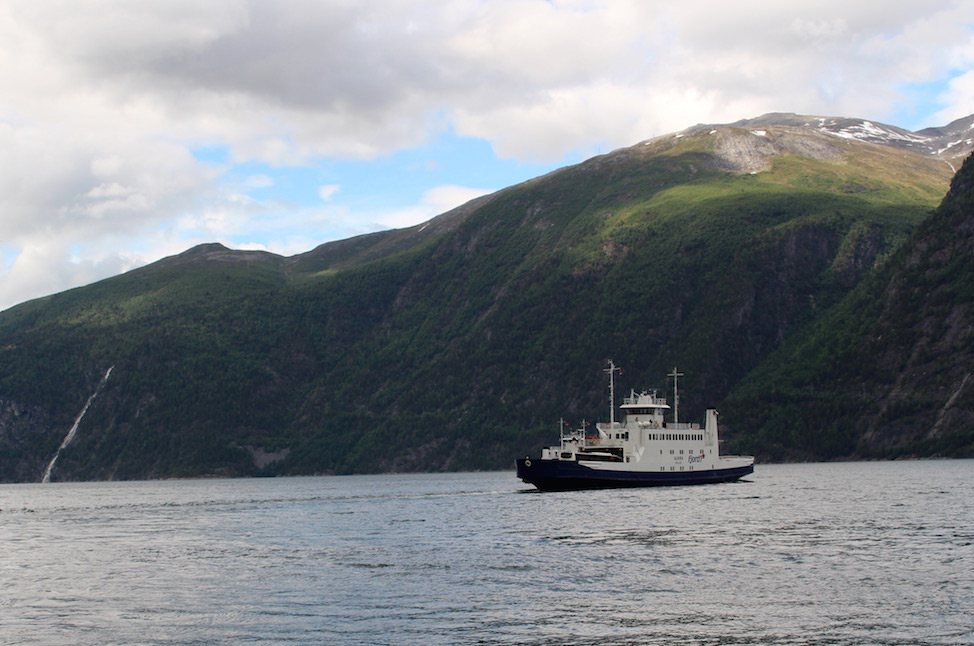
x: 647, y: 400
x: 682, y: 426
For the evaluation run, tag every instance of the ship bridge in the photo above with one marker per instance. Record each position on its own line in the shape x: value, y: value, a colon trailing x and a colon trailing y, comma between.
x: 645, y: 403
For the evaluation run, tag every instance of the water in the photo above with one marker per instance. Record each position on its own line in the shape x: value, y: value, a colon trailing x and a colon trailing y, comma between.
x: 878, y: 553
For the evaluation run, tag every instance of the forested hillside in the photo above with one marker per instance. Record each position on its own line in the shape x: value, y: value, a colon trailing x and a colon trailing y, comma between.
x: 888, y: 372
x: 459, y: 343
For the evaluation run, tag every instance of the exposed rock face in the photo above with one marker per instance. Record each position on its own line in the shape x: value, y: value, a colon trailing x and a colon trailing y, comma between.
x: 751, y: 150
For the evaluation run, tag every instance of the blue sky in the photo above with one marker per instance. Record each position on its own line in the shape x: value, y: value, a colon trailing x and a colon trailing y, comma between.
x: 387, y: 191
x: 133, y: 131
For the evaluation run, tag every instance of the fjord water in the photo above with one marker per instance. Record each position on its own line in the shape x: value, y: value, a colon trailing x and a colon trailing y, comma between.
x: 879, y: 553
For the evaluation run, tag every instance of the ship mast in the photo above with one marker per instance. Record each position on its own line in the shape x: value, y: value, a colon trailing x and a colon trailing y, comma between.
x: 676, y: 396
x: 612, y: 370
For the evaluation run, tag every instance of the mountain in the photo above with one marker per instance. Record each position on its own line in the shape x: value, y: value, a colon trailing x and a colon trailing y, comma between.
x: 458, y: 343
x: 889, y: 371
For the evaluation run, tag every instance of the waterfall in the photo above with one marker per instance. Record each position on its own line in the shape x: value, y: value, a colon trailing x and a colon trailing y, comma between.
x: 74, y: 428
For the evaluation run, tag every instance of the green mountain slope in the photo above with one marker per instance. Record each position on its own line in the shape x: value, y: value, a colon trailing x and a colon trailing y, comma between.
x: 887, y: 372
x: 457, y: 344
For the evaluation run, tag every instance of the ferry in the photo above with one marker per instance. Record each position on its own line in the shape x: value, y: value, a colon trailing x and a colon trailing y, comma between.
x: 643, y: 450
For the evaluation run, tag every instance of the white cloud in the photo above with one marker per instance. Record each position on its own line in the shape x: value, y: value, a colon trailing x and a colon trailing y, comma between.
x: 960, y: 98
x: 325, y: 191
x: 434, y: 201
x: 103, y: 102
x: 258, y: 181
x: 285, y: 82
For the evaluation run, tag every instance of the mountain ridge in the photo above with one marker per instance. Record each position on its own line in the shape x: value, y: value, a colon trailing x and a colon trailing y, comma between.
x: 754, y: 158
x: 950, y: 143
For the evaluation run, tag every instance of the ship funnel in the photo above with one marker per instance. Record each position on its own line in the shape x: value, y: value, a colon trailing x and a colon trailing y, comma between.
x: 711, y: 429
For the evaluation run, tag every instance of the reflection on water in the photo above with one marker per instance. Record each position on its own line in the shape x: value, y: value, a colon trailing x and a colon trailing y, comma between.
x: 814, y: 554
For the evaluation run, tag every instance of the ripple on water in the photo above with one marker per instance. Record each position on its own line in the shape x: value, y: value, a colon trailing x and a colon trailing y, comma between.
x: 802, y: 554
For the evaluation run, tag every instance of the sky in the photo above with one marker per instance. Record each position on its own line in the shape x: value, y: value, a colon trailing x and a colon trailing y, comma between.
x: 130, y: 131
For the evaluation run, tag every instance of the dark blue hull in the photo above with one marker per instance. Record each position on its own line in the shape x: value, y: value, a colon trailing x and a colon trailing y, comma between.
x: 563, y: 475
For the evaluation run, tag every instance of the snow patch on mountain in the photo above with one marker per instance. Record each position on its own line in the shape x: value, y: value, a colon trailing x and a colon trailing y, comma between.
x: 868, y: 131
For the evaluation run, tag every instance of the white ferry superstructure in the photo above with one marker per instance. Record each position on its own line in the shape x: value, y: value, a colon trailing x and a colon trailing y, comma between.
x: 642, y: 450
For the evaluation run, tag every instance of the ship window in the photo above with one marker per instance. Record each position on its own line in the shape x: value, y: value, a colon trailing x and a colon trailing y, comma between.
x: 681, y: 451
